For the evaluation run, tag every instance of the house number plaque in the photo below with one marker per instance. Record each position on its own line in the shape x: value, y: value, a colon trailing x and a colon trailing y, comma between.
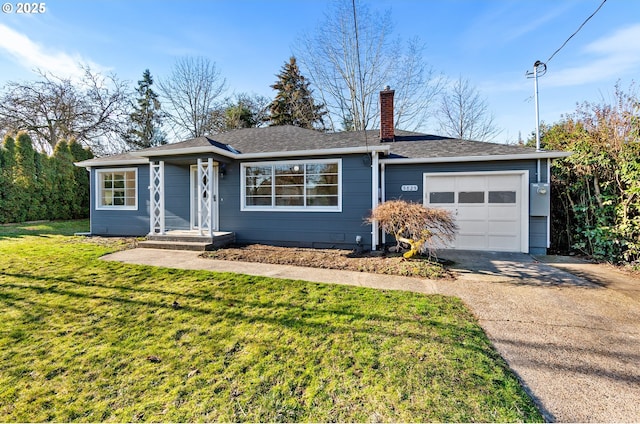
x: 409, y: 187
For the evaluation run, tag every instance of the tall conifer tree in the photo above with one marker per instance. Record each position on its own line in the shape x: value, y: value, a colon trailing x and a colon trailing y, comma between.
x: 9, y: 204
x: 146, y: 119
x: 294, y: 104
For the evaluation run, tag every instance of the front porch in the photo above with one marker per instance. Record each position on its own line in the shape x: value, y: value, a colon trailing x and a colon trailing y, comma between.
x: 184, y: 205
x: 188, y: 240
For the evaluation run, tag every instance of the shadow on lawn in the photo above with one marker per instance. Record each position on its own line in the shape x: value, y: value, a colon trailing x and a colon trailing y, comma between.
x: 43, y: 228
x: 317, y: 316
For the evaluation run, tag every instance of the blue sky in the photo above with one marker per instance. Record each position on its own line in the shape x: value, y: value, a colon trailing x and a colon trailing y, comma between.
x: 490, y: 42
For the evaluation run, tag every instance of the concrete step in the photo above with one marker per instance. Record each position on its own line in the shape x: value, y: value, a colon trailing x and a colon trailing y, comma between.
x: 184, y: 242
x: 176, y: 245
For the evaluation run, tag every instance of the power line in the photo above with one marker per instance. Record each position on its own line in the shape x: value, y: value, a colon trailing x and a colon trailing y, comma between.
x: 355, y: 26
x: 579, y: 28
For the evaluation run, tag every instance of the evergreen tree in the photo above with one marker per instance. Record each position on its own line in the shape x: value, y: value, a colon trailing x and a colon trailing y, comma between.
x: 146, y: 119
x: 64, y: 182
x: 8, y: 199
x: 294, y: 104
x: 80, y: 206
x: 25, y: 179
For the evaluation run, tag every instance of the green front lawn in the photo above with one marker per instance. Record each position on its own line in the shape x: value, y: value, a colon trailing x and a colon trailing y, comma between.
x: 87, y: 340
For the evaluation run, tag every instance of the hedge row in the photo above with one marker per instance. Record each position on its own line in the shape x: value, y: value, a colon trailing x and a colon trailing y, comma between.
x: 36, y: 186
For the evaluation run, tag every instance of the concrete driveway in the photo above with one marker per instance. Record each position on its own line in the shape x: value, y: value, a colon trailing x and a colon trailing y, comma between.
x: 573, y: 340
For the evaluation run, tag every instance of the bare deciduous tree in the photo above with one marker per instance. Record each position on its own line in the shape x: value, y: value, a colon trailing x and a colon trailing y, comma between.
x: 465, y: 114
x: 330, y: 58
x: 191, y: 92
x: 92, y: 111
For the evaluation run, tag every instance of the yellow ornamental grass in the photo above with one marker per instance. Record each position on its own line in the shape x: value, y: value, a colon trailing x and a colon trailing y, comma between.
x: 412, y: 223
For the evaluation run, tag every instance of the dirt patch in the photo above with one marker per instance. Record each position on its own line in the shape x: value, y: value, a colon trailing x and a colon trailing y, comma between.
x: 374, y: 262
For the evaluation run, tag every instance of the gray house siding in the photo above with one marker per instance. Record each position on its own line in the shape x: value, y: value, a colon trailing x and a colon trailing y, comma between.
x: 305, y: 229
x: 177, y: 197
x: 412, y: 174
x: 122, y: 222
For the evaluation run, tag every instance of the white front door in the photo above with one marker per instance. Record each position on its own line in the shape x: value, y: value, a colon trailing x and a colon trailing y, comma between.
x: 490, y: 208
x: 195, y: 188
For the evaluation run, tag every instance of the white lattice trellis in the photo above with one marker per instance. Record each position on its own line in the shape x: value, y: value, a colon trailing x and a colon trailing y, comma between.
x: 205, y: 196
x: 156, y: 188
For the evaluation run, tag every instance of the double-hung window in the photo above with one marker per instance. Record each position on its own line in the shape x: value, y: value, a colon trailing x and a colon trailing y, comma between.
x: 313, y: 185
x: 117, y: 188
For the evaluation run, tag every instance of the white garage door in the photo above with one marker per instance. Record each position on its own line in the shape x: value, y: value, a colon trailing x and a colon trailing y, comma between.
x: 491, y: 208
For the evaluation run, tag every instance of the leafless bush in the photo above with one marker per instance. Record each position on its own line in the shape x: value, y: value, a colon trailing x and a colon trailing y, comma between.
x: 412, y: 223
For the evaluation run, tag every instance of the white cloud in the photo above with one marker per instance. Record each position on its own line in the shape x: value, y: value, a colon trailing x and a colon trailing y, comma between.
x: 610, y: 57
x: 33, y: 56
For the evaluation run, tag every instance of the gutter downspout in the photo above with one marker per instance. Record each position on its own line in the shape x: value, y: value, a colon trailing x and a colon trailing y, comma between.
x: 91, y: 203
x: 383, y: 185
x: 549, y: 212
x: 374, y: 197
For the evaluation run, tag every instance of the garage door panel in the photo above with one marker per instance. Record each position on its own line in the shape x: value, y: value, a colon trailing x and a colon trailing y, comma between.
x: 469, y: 183
x: 471, y: 214
x: 502, y: 243
x: 473, y: 227
x: 487, y: 208
x: 503, y: 182
x: 499, y: 213
x: 470, y: 241
x: 503, y: 228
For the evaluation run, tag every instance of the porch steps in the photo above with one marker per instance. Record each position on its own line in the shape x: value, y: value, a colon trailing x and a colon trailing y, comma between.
x: 188, y: 242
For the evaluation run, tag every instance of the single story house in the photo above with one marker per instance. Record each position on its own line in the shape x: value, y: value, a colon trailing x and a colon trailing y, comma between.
x: 290, y: 186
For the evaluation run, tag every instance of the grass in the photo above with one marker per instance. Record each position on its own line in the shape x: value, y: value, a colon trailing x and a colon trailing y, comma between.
x: 88, y: 340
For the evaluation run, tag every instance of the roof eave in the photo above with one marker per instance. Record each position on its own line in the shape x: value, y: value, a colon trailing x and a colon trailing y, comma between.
x: 90, y: 163
x: 184, y: 151
x: 482, y: 158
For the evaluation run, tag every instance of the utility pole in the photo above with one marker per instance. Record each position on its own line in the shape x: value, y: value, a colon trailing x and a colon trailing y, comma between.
x: 539, y: 69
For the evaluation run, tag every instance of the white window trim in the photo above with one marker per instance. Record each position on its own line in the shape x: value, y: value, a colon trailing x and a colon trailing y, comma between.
x: 99, y: 189
x: 273, y: 208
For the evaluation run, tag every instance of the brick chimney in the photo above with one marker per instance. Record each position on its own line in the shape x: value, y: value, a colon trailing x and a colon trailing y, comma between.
x: 386, y: 115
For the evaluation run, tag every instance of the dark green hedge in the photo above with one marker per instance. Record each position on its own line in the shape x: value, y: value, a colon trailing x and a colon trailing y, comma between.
x: 35, y: 186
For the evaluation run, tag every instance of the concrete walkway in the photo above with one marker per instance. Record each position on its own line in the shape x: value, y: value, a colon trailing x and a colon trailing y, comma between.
x: 573, y: 340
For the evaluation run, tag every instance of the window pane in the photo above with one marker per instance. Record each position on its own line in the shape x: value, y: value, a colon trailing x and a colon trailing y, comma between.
x: 107, y: 197
x: 502, y: 197
x: 289, y: 169
x: 322, y: 168
x: 322, y: 190
x: 471, y: 197
x: 283, y: 180
x: 259, y: 201
x: 292, y: 185
x: 441, y: 197
x: 117, y: 188
x: 289, y: 190
x: 322, y: 200
x: 290, y: 201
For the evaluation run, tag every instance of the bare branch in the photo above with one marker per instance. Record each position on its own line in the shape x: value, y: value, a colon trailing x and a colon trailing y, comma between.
x: 92, y: 111
x: 191, y: 92
x: 465, y: 114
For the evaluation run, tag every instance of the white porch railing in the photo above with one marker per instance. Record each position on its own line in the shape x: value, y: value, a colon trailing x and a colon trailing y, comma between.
x: 205, y: 197
x: 156, y: 206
